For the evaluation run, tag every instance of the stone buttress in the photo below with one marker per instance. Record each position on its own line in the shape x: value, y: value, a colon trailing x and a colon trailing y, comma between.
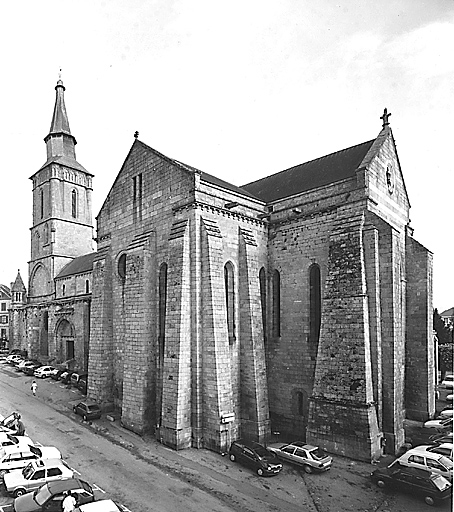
x: 255, y: 423
x: 342, y: 414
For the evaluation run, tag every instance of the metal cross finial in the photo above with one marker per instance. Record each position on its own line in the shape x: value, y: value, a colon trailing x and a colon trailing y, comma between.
x: 385, y: 117
x: 136, y: 134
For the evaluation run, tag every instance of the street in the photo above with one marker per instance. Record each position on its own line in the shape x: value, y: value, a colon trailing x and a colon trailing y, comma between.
x: 144, y: 475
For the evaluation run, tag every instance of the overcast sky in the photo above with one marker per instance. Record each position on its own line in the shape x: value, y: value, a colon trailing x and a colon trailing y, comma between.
x: 239, y: 89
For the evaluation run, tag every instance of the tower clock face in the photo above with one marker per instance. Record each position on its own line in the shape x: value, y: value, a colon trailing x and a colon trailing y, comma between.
x: 390, y: 178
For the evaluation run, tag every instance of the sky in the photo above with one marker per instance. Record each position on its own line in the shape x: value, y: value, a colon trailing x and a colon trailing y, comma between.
x: 239, y: 89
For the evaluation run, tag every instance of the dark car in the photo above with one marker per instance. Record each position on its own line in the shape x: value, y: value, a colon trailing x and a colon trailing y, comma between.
x: 254, y: 455
x: 82, y: 386
x: 76, y: 376
x: 57, y: 372
x: 65, y: 376
x: 50, y: 496
x: 87, y: 410
x: 432, y: 487
x: 30, y: 370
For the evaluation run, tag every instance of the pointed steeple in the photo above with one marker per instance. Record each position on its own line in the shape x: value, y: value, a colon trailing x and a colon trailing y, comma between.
x: 59, y: 141
x: 18, y: 290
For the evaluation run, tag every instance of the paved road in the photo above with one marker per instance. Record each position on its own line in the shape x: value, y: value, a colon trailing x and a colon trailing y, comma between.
x: 146, y: 476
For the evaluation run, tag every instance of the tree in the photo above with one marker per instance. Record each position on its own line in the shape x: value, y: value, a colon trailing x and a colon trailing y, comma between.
x: 443, y: 333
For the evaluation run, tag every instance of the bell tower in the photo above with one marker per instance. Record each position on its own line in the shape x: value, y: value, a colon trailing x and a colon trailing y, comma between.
x: 62, y: 219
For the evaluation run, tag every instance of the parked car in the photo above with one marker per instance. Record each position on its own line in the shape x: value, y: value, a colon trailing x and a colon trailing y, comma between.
x: 309, y: 457
x: 447, y: 412
x: 449, y: 397
x: 441, y: 438
x: 15, y: 457
x: 44, y: 371
x: 254, y: 455
x: 20, y: 366
x: 443, y: 449
x: 419, y: 458
x: 50, y: 496
x: 35, y: 475
x: 7, y: 423
x: 65, y: 376
x: 76, y: 376
x: 15, y: 359
x: 440, y: 424
x: 82, y: 386
x: 88, y: 410
x: 102, y: 506
x: 55, y: 375
x: 448, y: 381
x: 432, y: 487
x: 30, y: 370
x: 11, y: 440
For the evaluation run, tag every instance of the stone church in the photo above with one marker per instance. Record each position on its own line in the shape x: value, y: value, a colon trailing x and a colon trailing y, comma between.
x: 298, y: 303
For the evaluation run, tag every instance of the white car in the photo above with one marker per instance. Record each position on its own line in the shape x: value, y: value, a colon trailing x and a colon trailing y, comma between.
x: 35, y: 475
x: 442, y: 449
x: 449, y: 398
x: 446, y: 413
x: 102, y: 506
x: 448, y: 381
x: 440, y: 423
x: 16, y: 457
x: 420, y: 458
x: 11, y: 440
x: 44, y: 371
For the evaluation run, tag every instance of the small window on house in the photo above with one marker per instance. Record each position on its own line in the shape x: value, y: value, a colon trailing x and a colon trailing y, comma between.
x: 276, y: 303
x: 229, y: 282
x: 87, y: 286
x: 63, y: 290
x: 41, y: 198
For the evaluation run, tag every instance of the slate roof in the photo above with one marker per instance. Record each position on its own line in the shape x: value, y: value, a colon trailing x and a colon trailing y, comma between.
x: 448, y: 312
x: 18, y: 285
x: 4, y: 292
x: 316, y: 173
x: 78, y: 265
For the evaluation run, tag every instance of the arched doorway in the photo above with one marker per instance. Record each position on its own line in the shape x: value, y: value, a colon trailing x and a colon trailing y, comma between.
x: 65, y: 341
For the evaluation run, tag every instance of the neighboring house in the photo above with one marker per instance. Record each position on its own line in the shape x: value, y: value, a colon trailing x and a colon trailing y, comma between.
x: 299, y: 303
x: 448, y: 317
x: 5, y: 301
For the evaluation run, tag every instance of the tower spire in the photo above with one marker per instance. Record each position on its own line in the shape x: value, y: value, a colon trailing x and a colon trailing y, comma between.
x: 60, y: 141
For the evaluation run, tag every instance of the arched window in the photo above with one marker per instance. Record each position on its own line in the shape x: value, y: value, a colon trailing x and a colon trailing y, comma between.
x: 41, y: 202
x: 262, y: 283
x: 74, y: 204
x: 276, y: 303
x: 162, y: 305
x: 121, y: 268
x: 229, y: 280
x: 315, y: 313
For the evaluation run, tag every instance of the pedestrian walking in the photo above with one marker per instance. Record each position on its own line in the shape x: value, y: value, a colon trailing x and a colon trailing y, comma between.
x: 34, y: 387
x: 20, y: 428
x: 69, y: 503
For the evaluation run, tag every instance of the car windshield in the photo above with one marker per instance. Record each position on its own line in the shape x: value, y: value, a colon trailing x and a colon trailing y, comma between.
x: 92, y: 407
x: 36, y: 451
x: 27, y: 472
x: 447, y: 463
x: 261, y: 451
x: 42, y: 495
x: 441, y: 482
x: 12, y: 438
x: 449, y: 377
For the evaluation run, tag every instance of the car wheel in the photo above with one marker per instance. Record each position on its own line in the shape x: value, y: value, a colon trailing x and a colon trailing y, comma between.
x: 232, y: 457
x: 19, y: 492
x: 429, y: 500
x: 308, y: 469
x: 260, y: 471
x: 380, y: 483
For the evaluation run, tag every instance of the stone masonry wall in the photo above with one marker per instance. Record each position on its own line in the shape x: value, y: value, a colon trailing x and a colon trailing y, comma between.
x: 420, y: 378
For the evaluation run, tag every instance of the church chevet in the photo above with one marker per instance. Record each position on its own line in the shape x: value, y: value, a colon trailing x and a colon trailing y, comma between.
x: 299, y: 303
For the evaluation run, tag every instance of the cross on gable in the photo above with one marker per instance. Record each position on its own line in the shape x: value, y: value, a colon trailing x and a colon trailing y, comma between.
x: 385, y: 117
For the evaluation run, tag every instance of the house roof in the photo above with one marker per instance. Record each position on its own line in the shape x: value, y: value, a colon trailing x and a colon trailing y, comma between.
x: 78, y: 265
x: 448, y: 312
x: 316, y: 173
x: 18, y: 285
x: 5, y: 293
